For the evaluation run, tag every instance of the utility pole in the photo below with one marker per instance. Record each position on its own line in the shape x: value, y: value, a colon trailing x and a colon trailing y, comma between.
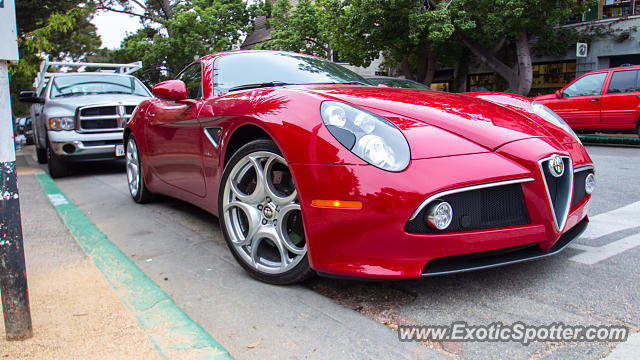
x: 13, y: 275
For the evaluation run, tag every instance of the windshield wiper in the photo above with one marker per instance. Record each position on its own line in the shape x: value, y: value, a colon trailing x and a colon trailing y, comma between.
x: 254, y: 86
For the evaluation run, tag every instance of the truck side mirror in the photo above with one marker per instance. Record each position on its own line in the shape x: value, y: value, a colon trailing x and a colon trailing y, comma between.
x: 30, y: 97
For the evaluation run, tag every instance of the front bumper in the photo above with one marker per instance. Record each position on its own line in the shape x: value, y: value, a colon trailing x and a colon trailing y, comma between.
x: 372, y: 242
x: 74, y: 146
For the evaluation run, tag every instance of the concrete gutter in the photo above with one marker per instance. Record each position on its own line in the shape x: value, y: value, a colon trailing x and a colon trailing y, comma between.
x: 173, y: 333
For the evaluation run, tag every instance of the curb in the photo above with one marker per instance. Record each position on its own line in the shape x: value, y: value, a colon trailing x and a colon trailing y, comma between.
x: 173, y: 333
x: 606, y: 140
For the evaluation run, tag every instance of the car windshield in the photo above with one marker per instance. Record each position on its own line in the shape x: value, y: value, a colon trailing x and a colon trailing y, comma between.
x: 260, y: 69
x: 76, y: 85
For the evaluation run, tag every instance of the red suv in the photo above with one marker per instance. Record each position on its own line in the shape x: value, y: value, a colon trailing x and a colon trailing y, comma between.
x: 600, y: 100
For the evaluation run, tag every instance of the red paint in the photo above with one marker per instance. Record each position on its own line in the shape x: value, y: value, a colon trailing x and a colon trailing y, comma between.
x: 455, y: 141
x: 170, y: 90
x: 605, y: 110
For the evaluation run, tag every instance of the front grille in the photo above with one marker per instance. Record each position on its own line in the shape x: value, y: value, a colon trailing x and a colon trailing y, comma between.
x: 499, y: 257
x: 103, y: 118
x: 559, y: 190
x: 486, y: 208
x: 579, y: 178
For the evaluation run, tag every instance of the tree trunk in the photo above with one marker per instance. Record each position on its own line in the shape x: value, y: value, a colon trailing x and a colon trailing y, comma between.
x: 524, y: 64
x: 431, y: 68
x: 406, y: 69
x: 166, y: 9
x: 168, y: 13
x: 496, y: 65
x: 460, y: 76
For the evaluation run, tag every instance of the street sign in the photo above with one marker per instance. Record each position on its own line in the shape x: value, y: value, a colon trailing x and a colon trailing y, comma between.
x: 581, y: 49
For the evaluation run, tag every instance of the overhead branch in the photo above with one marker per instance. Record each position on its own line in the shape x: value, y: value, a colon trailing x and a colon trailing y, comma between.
x: 131, y: 13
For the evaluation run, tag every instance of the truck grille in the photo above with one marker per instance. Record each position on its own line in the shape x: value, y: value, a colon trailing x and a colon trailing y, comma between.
x: 103, y: 118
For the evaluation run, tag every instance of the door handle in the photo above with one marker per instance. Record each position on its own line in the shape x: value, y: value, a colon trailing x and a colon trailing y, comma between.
x: 594, y: 99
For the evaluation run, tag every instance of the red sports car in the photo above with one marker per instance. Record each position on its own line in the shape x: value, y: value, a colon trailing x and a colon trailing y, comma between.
x: 311, y: 169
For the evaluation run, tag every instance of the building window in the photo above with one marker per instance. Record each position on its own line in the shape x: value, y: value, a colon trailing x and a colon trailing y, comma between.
x: 481, y: 82
x: 440, y: 86
x: 617, y: 8
x: 549, y: 77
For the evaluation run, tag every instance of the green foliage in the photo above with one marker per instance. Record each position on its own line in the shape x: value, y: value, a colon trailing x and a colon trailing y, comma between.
x: 60, y: 29
x: 402, y: 29
x: 196, y: 28
x: 296, y: 30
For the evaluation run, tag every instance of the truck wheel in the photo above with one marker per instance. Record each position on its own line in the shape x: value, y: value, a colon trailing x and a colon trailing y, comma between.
x: 41, y: 155
x: 57, y: 167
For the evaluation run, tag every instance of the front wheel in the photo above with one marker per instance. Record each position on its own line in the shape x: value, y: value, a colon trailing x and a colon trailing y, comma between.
x: 135, y: 178
x: 260, y: 215
x: 41, y: 155
x: 57, y: 167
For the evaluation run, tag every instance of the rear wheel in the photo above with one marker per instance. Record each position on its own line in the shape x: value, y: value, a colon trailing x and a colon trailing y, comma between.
x: 260, y: 215
x: 135, y: 178
x: 57, y: 167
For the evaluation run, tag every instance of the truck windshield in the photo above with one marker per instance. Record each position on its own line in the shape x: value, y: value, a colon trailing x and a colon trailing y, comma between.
x: 90, y: 84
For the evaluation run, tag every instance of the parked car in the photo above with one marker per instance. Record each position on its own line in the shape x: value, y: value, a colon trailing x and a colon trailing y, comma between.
x: 80, y: 116
x: 310, y: 169
x: 397, y: 82
x: 24, y: 127
x: 600, y: 100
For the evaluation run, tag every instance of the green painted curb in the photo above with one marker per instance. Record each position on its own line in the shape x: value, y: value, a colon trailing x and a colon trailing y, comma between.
x: 609, y: 140
x: 174, y: 334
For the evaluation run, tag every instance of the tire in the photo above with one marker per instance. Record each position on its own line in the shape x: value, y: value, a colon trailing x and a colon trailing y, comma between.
x: 135, y: 178
x: 41, y: 155
x: 261, y: 221
x: 57, y: 167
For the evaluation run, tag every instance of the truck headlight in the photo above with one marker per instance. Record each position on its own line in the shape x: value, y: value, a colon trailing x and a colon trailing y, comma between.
x: 367, y: 135
x: 61, y: 123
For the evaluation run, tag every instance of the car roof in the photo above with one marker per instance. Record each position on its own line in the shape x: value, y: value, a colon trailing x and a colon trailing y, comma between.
x: 624, y: 67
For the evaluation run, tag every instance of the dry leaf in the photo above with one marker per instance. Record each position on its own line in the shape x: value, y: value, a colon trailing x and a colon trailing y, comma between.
x: 255, y: 344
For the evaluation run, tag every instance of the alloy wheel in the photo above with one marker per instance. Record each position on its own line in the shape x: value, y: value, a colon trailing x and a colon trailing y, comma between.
x: 262, y: 214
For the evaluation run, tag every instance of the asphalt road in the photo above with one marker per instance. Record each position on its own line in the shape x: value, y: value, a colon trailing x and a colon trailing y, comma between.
x: 594, y: 282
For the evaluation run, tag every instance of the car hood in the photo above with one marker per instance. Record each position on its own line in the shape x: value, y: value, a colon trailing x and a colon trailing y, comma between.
x: 482, y: 122
x: 545, y: 97
x: 97, y: 100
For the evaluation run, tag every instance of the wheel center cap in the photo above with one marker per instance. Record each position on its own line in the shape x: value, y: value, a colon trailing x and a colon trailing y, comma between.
x: 268, y: 212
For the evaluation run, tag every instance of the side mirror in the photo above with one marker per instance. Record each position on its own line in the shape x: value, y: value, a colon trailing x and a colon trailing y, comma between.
x: 30, y: 97
x: 559, y: 94
x: 170, y: 90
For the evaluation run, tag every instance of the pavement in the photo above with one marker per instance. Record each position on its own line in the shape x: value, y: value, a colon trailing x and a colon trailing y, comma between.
x: 251, y: 319
x: 245, y: 319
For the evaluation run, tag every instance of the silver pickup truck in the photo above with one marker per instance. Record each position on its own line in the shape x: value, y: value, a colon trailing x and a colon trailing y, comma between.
x: 80, y: 116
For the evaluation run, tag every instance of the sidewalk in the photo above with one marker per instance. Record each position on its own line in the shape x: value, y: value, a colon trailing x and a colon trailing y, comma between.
x: 75, y: 313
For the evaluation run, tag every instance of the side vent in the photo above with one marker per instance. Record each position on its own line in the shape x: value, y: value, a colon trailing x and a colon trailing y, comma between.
x: 214, y: 134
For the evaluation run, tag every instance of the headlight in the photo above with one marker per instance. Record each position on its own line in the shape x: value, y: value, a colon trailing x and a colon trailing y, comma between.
x: 61, y: 123
x: 549, y: 115
x: 369, y: 136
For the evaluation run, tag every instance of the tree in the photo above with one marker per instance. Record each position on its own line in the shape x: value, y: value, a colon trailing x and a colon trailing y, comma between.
x: 360, y: 30
x: 61, y: 29
x: 175, y: 33
x: 500, y: 32
x: 297, y: 30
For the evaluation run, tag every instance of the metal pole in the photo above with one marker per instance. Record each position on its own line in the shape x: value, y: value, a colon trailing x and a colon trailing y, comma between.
x: 13, y: 275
